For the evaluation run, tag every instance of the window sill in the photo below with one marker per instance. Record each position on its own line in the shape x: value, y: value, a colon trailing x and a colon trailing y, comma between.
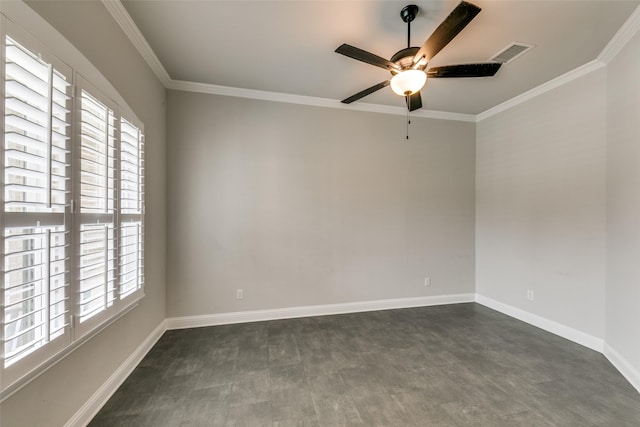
x: 10, y: 389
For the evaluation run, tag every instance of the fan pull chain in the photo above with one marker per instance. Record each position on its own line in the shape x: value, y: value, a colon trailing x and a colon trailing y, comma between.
x: 408, y: 122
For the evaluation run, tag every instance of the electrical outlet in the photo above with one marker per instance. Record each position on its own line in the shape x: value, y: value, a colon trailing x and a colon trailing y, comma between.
x: 530, y: 295
x: 239, y: 293
x: 427, y: 281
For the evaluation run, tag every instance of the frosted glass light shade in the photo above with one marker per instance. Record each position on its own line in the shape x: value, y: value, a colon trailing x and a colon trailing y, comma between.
x: 408, y: 82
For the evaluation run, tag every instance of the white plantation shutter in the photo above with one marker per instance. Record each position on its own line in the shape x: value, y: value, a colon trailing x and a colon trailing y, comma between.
x: 72, y: 250
x: 36, y: 294
x: 96, y: 269
x: 131, y: 208
x: 109, y: 211
x: 36, y: 280
x: 96, y: 203
x: 36, y: 133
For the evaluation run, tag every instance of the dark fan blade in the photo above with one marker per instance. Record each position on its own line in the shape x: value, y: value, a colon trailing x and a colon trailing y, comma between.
x: 446, y: 31
x: 487, y: 69
x: 414, y: 102
x: 364, y: 56
x: 365, y: 92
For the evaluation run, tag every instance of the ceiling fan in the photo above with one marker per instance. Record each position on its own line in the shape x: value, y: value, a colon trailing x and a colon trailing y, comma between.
x: 407, y: 66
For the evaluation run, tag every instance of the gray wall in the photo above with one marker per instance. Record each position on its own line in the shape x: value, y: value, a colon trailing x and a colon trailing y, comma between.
x: 623, y: 203
x: 301, y: 206
x: 541, y: 205
x: 54, y: 397
x: 558, y: 205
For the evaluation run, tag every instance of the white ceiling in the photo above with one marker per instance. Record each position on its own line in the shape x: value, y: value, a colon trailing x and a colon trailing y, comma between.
x: 288, y: 46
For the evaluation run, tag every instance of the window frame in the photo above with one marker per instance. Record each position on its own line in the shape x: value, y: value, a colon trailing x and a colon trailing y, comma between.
x: 75, y: 334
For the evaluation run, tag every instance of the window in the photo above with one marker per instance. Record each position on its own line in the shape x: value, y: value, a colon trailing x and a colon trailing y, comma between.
x: 73, y: 209
x: 109, y: 209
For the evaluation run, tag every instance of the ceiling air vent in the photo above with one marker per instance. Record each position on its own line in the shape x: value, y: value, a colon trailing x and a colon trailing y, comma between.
x: 510, y: 53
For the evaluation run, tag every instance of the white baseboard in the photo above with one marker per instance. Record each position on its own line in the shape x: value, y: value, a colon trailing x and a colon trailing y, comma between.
x: 559, y: 329
x: 313, y: 310
x: 621, y: 364
x: 106, y: 390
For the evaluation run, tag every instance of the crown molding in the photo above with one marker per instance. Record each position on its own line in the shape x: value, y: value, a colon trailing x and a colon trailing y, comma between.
x: 132, y: 31
x: 312, y: 101
x: 622, y: 37
x: 576, y: 73
x: 629, y: 29
x: 122, y: 17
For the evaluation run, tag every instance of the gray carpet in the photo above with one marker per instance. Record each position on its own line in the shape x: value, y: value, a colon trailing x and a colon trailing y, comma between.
x: 454, y: 365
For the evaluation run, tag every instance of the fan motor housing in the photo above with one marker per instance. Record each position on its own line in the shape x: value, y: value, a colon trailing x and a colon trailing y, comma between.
x: 404, y: 58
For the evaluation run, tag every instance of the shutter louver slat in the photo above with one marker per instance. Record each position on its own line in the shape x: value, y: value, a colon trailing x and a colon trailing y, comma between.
x: 18, y: 141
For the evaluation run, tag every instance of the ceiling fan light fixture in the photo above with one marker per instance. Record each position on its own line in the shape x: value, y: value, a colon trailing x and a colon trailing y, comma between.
x: 408, y: 82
